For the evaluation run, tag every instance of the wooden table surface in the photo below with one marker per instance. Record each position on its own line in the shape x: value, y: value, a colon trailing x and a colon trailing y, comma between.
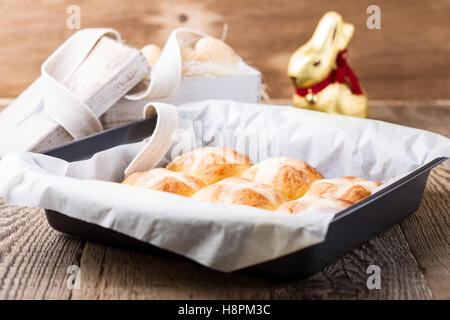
x: 413, y: 256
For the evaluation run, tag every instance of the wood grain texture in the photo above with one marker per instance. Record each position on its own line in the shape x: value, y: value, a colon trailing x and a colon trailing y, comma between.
x: 111, y: 273
x: 428, y: 233
x: 413, y: 256
x: 33, y: 257
x: 401, y: 277
x: 406, y: 59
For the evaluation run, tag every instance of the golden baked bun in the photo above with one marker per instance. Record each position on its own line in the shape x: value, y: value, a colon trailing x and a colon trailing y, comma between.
x: 351, y: 189
x: 302, y: 204
x: 165, y: 180
x: 241, y: 191
x: 211, y: 164
x: 289, y: 176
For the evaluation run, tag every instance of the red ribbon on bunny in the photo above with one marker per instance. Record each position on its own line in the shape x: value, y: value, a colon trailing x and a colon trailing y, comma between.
x: 340, y: 75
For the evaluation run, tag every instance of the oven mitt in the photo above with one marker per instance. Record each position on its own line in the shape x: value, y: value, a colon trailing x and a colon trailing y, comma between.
x: 161, y: 139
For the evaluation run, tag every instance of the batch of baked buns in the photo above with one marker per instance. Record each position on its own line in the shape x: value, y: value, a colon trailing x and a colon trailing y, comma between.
x: 225, y: 176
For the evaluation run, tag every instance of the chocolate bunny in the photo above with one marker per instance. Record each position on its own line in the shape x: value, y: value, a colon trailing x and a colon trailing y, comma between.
x: 321, y: 75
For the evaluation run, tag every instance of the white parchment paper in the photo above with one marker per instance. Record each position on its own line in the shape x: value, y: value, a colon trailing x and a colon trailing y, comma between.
x: 223, y: 237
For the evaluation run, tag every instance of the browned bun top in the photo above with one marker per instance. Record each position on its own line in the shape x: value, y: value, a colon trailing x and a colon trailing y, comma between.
x: 350, y: 189
x: 165, y: 180
x: 289, y: 176
x: 241, y: 191
x: 306, y: 202
x: 225, y: 176
x: 211, y: 164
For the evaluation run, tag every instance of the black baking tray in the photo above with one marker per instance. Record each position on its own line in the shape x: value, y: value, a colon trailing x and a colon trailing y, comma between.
x: 348, y: 230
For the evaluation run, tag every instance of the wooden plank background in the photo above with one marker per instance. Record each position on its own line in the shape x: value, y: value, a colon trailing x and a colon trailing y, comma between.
x: 406, y: 59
